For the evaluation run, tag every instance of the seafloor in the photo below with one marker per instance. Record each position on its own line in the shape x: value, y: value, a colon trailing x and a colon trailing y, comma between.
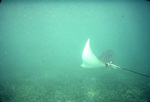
x: 75, y: 87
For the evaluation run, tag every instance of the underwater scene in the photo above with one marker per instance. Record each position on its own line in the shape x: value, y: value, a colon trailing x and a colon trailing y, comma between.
x: 74, y: 51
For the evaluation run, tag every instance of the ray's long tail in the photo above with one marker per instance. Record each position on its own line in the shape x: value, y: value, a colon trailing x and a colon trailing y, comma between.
x: 115, y: 66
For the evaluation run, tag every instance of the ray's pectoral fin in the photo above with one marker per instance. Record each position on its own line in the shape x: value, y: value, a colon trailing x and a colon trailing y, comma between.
x: 89, y: 59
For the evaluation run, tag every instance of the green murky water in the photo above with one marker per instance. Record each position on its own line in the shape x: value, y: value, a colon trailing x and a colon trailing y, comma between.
x: 41, y: 44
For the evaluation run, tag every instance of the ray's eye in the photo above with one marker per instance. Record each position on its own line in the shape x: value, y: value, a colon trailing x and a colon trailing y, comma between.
x: 107, y: 65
